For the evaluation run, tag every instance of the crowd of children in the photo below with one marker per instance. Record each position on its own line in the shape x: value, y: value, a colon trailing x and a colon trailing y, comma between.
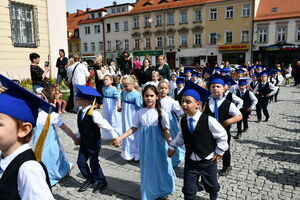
x: 160, y: 124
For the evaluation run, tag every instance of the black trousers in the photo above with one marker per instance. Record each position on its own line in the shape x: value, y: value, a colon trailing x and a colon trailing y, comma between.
x: 276, y: 94
x: 227, y: 155
x: 245, y: 114
x: 262, y: 104
x: 207, y: 169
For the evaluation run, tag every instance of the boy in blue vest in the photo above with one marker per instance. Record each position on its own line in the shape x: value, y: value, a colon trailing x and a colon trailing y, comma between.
x: 89, y: 122
x: 205, y: 141
x: 21, y: 175
x: 249, y: 103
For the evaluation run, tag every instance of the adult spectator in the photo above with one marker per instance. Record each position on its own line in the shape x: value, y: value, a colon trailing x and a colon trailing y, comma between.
x: 136, y: 63
x: 38, y: 75
x: 100, y: 71
x: 61, y: 64
x: 296, y: 73
x: 77, y: 74
x: 125, y: 63
x: 112, y: 68
x: 145, y: 73
x: 163, y: 68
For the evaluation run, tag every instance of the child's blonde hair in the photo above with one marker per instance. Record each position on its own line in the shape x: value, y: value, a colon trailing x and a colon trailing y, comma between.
x: 163, y: 81
x: 131, y: 79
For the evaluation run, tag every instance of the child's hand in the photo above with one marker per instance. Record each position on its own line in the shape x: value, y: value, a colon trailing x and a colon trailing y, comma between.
x: 171, y: 153
x: 116, y: 142
x: 76, y: 141
x: 216, y: 158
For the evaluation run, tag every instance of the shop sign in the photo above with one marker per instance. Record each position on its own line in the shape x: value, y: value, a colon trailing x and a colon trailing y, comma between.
x: 233, y: 47
x: 148, y: 53
x: 282, y: 48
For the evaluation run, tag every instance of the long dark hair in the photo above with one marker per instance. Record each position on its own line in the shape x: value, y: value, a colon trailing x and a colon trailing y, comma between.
x: 157, y: 103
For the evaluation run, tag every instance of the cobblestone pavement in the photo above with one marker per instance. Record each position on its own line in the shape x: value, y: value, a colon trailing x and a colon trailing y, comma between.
x: 266, y: 161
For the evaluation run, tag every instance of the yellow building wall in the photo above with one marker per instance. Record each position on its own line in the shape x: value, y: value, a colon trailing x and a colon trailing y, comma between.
x: 14, y: 61
x: 73, y: 44
x: 221, y: 25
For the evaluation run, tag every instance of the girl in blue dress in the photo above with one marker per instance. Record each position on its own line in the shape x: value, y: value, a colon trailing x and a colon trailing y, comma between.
x: 157, y: 174
x: 53, y: 155
x: 131, y: 102
x: 172, y: 107
x: 111, y: 107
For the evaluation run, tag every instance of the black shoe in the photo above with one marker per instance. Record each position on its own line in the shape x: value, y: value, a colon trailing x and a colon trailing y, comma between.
x: 238, y: 136
x: 245, y: 130
x: 200, y: 187
x: 225, y: 171
x: 267, y: 119
x: 99, y: 187
x: 259, y: 120
x: 85, y: 185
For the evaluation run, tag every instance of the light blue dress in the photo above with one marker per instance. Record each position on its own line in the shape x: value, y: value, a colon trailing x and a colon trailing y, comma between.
x: 131, y: 103
x: 53, y: 155
x: 109, y: 111
x: 157, y: 174
x: 172, y: 107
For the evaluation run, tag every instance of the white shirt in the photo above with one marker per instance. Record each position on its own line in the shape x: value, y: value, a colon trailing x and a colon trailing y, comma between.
x: 149, y: 117
x: 80, y: 75
x: 55, y: 118
x: 252, y: 97
x: 168, y: 104
x: 280, y: 79
x: 217, y: 131
x: 236, y: 100
x: 31, y: 181
x: 272, y: 87
x: 101, y: 122
x: 233, y: 110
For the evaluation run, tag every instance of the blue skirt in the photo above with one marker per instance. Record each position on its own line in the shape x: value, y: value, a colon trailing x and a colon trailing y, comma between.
x: 53, y: 155
x: 157, y: 174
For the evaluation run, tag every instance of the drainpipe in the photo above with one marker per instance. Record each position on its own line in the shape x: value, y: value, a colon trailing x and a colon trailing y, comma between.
x: 252, y: 32
x: 104, y: 42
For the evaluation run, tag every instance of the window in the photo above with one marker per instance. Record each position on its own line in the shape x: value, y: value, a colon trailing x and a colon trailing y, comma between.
x: 245, y: 36
x: 170, y: 40
x: 76, y: 33
x: 136, y: 22
x: 281, y: 34
x: 24, y: 29
x: 126, y: 44
x: 213, y: 14
x: 183, y: 17
x: 123, y: 9
x: 197, y: 15
x: 246, y: 10
x: 100, y: 46
x: 197, y: 39
x: 117, y: 28
x: 118, y: 10
x: 170, y: 18
x: 118, y: 45
x: 212, y: 38
x: 108, y: 45
x: 107, y: 28
x: 126, y: 26
x: 298, y: 34
x: 92, y: 15
x: 113, y: 10
x: 159, y: 21
x: 93, y: 46
x: 148, y: 43
x: 159, y: 41
x: 147, y: 23
x: 183, y: 40
x: 85, y: 47
x: 229, y: 12
x: 262, y: 34
x: 137, y: 43
x: 100, y: 14
x: 275, y: 9
x: 97, y: 29
x: 87, y: 30
x: 228, y: 37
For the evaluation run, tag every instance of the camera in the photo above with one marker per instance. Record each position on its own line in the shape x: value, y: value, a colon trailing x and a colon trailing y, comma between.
x: 46, y: 63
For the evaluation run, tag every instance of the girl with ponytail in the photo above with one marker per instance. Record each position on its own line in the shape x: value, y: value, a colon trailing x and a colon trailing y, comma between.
x: 152, y: 123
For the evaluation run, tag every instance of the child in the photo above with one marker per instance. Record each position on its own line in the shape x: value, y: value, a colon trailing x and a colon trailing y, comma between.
x: 89, y: 123
x: 111, y: 105
x: 53, y: 154
x: 155, y: 79
x: 172, y: 84
x: 264, y: 90
x: 60, y: 103
x: 157, y: 175
x: 180, y: 85
x: 230, y: 85
x: 131, y: 103
x: 188, y: 73
x: 21, y: 176
x: 174, y: 110
x: 253, y: 82
x: 205, y: 141
x: 276, y: 79
x: 224, y: 111
x: 195, y: 78
x: 249, y: 103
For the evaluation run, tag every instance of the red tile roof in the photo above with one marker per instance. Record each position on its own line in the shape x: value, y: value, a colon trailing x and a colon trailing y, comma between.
x: 156, y: 5
x: 286, y: 9
x: 73, y: 19
x: 87, y: 21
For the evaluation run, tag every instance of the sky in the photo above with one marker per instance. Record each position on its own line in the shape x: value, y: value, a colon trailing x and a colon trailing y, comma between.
x: 72, y: 5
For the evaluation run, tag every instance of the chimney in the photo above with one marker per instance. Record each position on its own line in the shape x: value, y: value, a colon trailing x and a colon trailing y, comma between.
x: 68, y: 14
x: 114, y: 3
x: 78, y: 12
x: 88, y: 9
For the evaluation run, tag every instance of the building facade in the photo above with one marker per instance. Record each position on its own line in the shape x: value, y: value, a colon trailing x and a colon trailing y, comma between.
x: 276, y: 37
x: 29, y: 26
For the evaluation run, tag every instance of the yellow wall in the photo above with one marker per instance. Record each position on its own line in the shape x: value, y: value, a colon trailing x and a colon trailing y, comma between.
x: 14, y: 61
x: 73, y: 44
